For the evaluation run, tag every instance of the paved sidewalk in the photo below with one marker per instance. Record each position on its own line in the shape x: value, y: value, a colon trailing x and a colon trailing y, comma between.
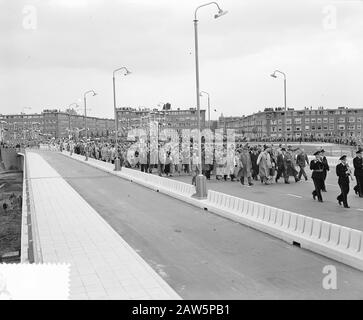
x: 103, y: 265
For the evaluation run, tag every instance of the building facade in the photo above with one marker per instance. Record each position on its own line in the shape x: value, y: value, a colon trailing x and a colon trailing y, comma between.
x: 308, y: 123
x: 53, y: 123
x: 129, y: 118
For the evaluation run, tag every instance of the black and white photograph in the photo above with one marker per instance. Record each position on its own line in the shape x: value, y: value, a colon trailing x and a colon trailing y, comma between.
x: 166, y: 151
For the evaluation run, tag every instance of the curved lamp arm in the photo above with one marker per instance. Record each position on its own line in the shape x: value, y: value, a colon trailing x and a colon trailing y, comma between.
x: 220, y: 11
x: 122, y: 68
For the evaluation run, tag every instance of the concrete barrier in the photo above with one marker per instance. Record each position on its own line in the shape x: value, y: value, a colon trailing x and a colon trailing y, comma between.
x: 30, y: 242
x: 331, y: 240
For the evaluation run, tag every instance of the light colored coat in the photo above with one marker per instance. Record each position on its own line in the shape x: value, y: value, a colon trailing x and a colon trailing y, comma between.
x: 246, y: 162
x: 264, y: 164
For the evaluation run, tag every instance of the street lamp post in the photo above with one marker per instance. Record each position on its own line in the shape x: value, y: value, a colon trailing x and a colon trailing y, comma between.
x: 117, y: 160
x: 201, y: 93
x: 85, y: 109
x: 201, y: 189
x: 85, y: 118
x: 285, y: 105
x: 69, y: 115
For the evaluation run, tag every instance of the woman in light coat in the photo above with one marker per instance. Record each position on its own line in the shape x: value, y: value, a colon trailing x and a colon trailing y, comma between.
x: 264, y: 165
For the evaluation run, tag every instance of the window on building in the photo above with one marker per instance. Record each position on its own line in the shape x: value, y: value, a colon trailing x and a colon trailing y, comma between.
x: 307, y: 120
x: 331, y: 120
x: 297, y: 120
x: 313, y: 128
x: 351, y: 119
x: 341, y: 120
x: 325, y: 120
x: 319, y: 120
x: 313, y: 120
x: 351, y: 127
x: 341, y: 127
x: 307, y: 128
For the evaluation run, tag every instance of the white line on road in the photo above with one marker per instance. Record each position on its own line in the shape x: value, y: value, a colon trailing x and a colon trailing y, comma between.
x: 360, y: 209
x: 294, y: 195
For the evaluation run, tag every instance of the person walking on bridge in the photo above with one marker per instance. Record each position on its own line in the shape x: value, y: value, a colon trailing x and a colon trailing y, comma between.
x: 301, y: 159
x: 281, y: 166
x: 358, y: 172
x: 317, y: 166
x: 343, y: 172
x: 326, y: 168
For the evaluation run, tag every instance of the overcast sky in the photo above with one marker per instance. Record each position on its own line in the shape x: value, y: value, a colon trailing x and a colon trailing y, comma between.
x: 55, y: 50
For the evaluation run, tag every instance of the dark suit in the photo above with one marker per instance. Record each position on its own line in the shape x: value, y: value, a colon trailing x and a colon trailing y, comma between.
x: 358, y: 172
x: 281, y: 167
x: 325, y: 171
x: 301, y: 159
x: 343, y: 181
x: 318, y: 177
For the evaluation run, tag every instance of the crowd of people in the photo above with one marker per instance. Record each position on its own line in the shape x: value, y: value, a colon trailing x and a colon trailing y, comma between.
x: 266, y: 163
x: 348, y: 141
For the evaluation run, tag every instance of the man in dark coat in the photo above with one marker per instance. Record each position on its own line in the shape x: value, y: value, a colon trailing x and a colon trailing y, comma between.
x: 358, y: 172
x: 326, y: 168
x: 254, y: 156
x: 343, y: 173
x: 281, y: 166
x: 301, y: 159
x: 317, y: 167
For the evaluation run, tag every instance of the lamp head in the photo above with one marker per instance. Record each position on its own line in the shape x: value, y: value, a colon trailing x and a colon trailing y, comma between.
x: 127, y: 72
x: 273, y: 75
x: 220, y: 13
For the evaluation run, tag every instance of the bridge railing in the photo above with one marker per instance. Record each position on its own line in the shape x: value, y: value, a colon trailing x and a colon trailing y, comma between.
x: 30, y: 243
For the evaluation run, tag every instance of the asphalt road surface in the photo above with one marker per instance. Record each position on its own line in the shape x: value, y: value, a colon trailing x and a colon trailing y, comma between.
x: 202, y: 255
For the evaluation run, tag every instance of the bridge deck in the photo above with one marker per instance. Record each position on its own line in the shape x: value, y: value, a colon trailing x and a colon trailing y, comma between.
x: 201, y: 255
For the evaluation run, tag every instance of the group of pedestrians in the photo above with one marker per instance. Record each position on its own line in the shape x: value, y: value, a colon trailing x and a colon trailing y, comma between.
x: 249, y: 163
x: 320, y: 167
x: 268, y: 163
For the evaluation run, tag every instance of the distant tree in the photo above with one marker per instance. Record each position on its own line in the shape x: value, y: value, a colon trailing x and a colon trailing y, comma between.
x: 71, y: 111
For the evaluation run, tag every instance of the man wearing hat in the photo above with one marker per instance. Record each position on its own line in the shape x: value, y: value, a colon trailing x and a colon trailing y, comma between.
x: 281, y: 166
x: 326, y: 167
x: 358, y: 172
x: 317, y: 167
x: 343, y: 172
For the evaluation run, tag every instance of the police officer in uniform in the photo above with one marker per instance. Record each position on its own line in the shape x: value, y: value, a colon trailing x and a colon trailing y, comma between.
x: 358, y: 172
x: 317, y: 167
x: 326, y: 168
x: 343, y: 172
